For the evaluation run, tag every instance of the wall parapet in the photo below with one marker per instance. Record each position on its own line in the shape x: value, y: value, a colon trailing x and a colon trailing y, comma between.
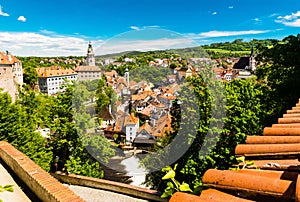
x: 122, y: 188
x: 45, y: 187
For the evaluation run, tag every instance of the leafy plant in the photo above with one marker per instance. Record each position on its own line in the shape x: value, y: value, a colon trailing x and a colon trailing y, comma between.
x: 242, y: 160
x: 8, y: 187
x: 173, y: 185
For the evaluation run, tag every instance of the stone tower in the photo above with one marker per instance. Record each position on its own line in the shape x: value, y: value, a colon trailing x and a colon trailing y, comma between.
x: 126, y: 77
x: 90, y: 59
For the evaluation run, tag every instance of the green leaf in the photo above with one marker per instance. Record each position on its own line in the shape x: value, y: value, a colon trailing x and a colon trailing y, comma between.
x: 167, y: 193
x: 170, y: 184
x: 240, y: 159
x: 175, y: 166
x: 166, y: 169
x: 185, y: 187
x: 169, y: 175
x: 8, y: 186
x: 250, y: 163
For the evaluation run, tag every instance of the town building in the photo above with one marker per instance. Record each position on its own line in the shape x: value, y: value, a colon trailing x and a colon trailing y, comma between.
x: 126, y: 126
x: 11, y: 74
x: 144, y: 138
x: 246, y: 63
x: 89, y: 71
x: 51, y: 80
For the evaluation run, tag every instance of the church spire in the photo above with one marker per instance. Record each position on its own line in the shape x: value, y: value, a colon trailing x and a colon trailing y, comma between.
x: 252, y: 61
x: 252, y: 52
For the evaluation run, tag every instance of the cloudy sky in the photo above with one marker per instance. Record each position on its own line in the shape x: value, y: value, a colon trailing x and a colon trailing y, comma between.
x: 50, y: 28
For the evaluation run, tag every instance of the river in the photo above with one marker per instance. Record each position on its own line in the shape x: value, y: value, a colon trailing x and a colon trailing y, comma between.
x: 132, y: 169
x: 125, y: 169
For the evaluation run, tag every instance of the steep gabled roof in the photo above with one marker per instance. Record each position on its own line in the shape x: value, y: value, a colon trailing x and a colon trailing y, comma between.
x: 242, y: 63
x: 8, y: 59
x: 105, y: 114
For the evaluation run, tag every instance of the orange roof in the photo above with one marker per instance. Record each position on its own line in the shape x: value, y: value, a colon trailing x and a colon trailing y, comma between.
x: 163, y: 125
x: 121, y: 80
x: 146, y: 127
x: 8, y: 59
x: 132, y: 83
x: 54, y: 71
x: 146, y: 111
x: 275, y: 153
x: 111, y: 73
x: 168, y: 97
x: 134, y: 119
x: 139, y: 97
x: 87, y: 69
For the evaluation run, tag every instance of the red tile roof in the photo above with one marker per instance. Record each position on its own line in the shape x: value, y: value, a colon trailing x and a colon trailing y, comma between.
x: 276, y: 154
x: 8, y: 59
x: 54, y: 71
x: 87, y: 69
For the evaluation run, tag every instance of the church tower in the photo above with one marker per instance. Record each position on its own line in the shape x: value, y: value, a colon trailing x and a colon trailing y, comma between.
x: 90, y: 59
x: 126, y: 76
x: 252, y: 61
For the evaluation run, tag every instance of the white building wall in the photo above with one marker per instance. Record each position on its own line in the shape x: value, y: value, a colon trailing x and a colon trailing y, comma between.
x: 52, y: 85
x: 131, y: 132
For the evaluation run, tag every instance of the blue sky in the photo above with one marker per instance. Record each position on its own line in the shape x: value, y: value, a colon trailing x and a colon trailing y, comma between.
x: 47, y: 28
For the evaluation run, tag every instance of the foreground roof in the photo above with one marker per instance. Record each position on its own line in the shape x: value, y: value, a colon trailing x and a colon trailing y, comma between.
x: 275, y: 154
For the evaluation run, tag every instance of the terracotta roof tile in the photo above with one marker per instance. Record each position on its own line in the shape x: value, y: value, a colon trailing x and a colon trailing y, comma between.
x: 251, y: 183
x: 216, y: 195
x: 87, y: 69
x: 270, y: 131
x: 272, y: 139
x: 54, y: 71
x: 276, y: 151
x: 8, y: 59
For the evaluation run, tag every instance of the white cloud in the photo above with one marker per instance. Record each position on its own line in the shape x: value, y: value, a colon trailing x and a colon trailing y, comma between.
x: 3, y: 13
x: 214, y: 13
x: 22, y: 18
x: 144, y: 27
x: 48, y: 43
x: 134, y: 28
x: 257, y: 20
x: 230, y: 7
x: 291, y: 20
x: 295, y: 23
x: 212, y: 34
x: 38, y: 44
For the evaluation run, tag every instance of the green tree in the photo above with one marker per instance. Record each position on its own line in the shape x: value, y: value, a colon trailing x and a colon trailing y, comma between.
x: 244, y: 109
x: 105, y: 94
x: 17, y: 127
x: 279, y: 69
